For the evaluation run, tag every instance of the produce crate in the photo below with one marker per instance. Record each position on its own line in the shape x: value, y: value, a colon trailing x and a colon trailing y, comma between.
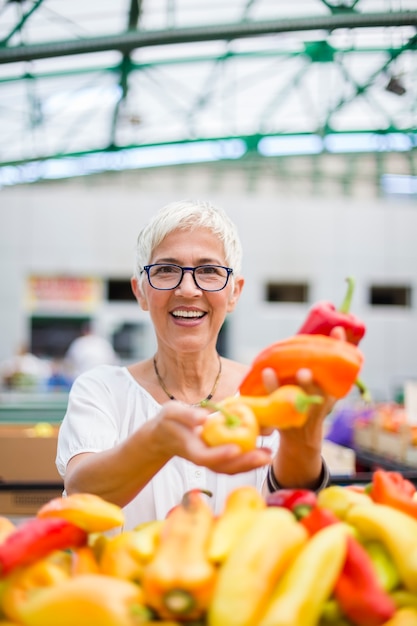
x: 24, y: 499
x: 28, y: 475
x: 365, y: 436
x: 389, y: 437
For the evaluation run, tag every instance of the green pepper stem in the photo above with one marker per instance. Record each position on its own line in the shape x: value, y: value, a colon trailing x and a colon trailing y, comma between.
x: 345, y: 306
x: 363, y: 390
x: 231, y: 420
x: 303, y: 401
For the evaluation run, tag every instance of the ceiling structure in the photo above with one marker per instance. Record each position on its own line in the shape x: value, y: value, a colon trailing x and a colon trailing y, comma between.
x: 122, y: 84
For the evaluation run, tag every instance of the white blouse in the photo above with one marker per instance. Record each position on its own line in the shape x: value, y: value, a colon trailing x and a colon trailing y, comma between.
x: 106, y: 405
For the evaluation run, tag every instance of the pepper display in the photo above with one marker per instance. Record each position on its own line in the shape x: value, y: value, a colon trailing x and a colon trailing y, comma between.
x: 308, y: 581
x: 396, y: 530
x: 357, y: 590
x: 37, y: 538
x: 253, y: 568
x: 324, y: 316
x: 286, y: 407
x: 391, y: 488
x: 232, y: 423
x: 335, y: 364
x: 179, y: 580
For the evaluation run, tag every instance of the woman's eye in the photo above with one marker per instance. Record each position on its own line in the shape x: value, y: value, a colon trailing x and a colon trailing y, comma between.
x: 166, y: 269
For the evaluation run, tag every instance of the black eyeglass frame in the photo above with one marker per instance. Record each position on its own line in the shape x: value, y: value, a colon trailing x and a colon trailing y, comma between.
x: 147, y: 268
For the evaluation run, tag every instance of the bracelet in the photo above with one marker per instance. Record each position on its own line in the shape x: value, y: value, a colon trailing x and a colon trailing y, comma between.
x: 273, y: 484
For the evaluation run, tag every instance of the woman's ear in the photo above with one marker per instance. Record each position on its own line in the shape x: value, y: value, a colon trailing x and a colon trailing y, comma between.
x: 138, y: 292
x: 239, y: 281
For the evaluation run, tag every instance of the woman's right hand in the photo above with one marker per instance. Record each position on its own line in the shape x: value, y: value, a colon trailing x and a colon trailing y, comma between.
x: 177, y: 432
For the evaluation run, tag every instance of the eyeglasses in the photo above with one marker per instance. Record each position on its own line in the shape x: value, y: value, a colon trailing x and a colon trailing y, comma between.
x: 169, y: 276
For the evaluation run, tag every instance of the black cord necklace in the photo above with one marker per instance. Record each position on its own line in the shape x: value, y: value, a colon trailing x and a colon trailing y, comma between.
x: 171, y: 397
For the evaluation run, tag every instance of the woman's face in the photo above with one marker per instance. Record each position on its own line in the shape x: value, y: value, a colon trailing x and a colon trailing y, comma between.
x: 187, y: 318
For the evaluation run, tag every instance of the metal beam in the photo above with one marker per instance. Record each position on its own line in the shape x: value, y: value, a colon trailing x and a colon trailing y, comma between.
x: 129, y: 41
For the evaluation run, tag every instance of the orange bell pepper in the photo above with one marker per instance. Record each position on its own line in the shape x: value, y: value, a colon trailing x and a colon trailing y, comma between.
x: 393, y: 489
x: 83, y: 561
x: 86, y: 510
x: 286, y: 407
x: 334, y: 363
x: 233, y: 422
x: 178, y: 582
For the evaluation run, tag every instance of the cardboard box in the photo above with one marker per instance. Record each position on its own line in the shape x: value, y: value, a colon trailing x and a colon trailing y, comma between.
x: 28, y: 474
x: 25, y: 502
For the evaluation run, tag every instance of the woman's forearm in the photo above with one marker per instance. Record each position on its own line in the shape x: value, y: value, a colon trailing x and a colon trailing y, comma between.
x: 118, y: 474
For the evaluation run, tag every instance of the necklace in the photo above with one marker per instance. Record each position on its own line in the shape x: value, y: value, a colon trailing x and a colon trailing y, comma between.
x: 171, y: 397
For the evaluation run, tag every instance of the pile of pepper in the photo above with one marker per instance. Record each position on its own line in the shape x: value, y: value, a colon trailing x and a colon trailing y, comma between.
x: 344, y: 557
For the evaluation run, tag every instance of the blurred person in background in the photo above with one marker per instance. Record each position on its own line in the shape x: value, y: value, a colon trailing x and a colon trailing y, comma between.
x: 88, y: 351
x: 24, y: 371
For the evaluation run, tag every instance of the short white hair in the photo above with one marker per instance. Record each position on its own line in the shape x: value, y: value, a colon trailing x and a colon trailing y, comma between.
x: 189, y: 214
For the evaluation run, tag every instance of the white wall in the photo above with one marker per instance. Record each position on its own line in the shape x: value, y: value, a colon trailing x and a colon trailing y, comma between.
x: 89, y: 227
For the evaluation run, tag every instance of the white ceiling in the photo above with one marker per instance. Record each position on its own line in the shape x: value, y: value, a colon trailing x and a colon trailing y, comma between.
x: 79, y: 77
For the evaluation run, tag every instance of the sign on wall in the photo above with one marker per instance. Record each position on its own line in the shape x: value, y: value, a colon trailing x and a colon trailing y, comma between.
x: 74, y: 293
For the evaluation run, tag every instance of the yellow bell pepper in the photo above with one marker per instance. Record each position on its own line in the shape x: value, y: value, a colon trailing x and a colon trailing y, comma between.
x: 120, y: 557
x: 396, y: 530
x: 339, y: 499
x: 86, y: 600
x: 22, y: 582
x: 86, y: 510
x: 248, y: 575
x: 232, y: 423
x: 241, y: 507
x: 147, y: 539
x: 308, y: 582
x: 403, y: 617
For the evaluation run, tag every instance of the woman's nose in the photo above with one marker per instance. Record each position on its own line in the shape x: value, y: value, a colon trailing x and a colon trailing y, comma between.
x: 188, y: 283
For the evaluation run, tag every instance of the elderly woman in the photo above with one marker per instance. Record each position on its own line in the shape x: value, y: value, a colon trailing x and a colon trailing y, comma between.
x: 132, y: 434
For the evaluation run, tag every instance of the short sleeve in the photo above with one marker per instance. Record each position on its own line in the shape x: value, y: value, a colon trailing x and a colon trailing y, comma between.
x: 90, y: 422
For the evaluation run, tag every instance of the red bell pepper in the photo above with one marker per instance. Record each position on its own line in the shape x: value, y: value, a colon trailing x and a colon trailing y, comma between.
x: 35, y: 539
x: 298, y: 501
x: 324, y: 316
x: 357, y: 590
x: 392, y: 489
